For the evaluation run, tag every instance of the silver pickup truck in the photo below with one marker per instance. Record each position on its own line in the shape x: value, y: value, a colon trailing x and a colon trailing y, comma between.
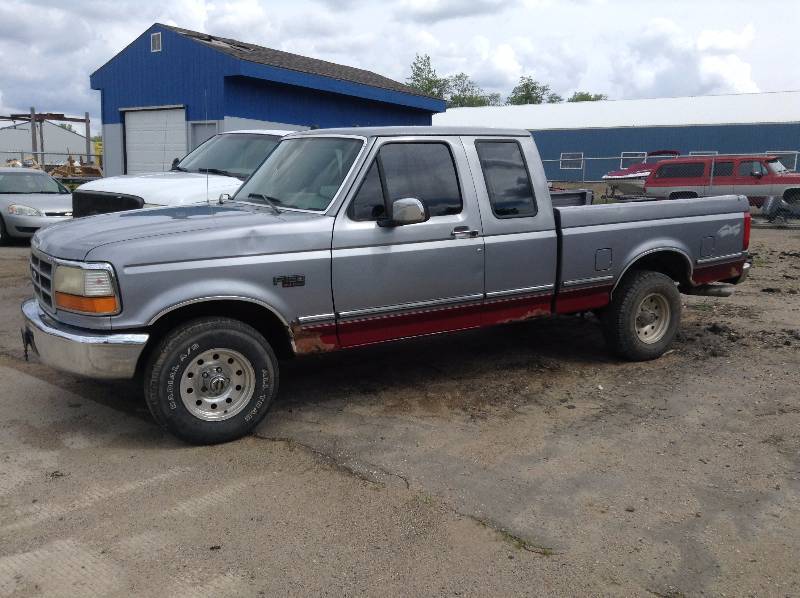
x: 348, y: 237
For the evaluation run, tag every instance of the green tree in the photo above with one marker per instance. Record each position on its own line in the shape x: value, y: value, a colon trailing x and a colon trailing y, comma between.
x: 585, y: 96
x: 67, y: 126
x: 424, y: 78
x: 531, y: 91
x: 462, y: 91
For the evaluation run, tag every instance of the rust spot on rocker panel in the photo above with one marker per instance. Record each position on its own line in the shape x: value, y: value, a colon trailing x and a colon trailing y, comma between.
x: 309, y: 339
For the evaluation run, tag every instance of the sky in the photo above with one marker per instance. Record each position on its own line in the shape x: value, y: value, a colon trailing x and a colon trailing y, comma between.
x: 623, y: 48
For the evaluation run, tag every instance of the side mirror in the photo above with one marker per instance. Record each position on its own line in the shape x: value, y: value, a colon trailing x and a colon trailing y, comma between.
x: 175, y: 163
x: 756, y: 174
x: 223, y: 197
x: 407, y: 210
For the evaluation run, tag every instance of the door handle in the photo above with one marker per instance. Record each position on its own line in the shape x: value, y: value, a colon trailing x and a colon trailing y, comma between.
x: 464, y: 232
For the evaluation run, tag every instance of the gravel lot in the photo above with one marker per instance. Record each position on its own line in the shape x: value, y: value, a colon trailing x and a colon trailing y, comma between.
x: 516, y: 461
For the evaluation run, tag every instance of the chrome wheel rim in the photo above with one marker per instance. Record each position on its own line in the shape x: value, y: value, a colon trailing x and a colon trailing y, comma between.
x: 217, y: 384
x: 652, y: 318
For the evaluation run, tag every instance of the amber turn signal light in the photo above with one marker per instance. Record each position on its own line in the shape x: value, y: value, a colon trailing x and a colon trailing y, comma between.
x: 87, y: 305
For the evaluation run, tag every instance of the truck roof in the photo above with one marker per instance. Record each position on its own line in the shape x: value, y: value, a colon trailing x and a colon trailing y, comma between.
x: 402, y: 131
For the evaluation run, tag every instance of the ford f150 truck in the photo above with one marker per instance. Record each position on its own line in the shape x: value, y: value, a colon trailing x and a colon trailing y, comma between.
x: 348, y: 237
x: 218, y: 165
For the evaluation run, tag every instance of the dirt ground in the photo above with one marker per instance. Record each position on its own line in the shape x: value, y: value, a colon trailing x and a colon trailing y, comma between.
x: 517, y: 461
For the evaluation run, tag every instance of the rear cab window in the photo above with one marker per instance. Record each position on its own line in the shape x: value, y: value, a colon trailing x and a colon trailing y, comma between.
x: 508, y: 183
x: 422, y: 170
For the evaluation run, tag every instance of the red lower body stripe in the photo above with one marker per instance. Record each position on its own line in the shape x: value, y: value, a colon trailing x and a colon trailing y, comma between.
x: 716, y: 272
x: 578, y: 300
x: 386, y: 327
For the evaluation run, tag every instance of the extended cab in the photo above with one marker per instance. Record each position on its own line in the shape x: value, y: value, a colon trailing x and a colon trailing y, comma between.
x: 218, y: 165
x: 348, y: 237
x: 756, y: 177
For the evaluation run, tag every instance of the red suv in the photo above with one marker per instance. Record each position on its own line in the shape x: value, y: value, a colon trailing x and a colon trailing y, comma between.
x: 755, y: 176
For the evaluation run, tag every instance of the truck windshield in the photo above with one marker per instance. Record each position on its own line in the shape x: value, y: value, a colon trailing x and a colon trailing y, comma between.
x: 230, y: 154
x: 302, y: 173
x: 27, y: 182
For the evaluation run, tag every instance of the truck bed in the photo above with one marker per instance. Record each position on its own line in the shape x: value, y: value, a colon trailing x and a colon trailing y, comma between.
x: 597, y: 243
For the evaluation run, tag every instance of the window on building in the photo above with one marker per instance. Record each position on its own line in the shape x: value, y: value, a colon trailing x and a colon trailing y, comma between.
x: 508, y: 183
x: 751, y: 167
x: 155, y: 42
x: 681, y: 170
x: 704, y: 153
x: 571, y: 161
x: 787, y: 158
x: 723, y: 169
x: 425, y: 171
x: 627, y: 159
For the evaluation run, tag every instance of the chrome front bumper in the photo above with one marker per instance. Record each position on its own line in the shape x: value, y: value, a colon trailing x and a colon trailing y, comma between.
x: 84, y: 352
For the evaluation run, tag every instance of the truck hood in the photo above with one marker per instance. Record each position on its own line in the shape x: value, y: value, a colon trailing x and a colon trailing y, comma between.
x: 179, y: 233
x: 173, y: 188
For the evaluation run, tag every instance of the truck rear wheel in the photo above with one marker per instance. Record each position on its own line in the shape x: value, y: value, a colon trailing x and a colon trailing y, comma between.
x: 643, y: 317
x: 211, y: 380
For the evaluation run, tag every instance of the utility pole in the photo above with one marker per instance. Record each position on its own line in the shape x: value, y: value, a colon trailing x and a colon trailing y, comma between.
x: 33, y: 132
x: 89, y: 159
x: 41, y: 140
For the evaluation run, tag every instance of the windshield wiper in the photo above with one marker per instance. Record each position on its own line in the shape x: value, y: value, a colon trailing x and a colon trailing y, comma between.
x: 219, y: 172
x: 271, y: 201
x: 179, y: 168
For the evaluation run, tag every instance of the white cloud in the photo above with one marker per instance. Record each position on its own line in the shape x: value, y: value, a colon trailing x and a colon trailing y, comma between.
x: 726, y: 41
x: 666, y: 60
x: 49, y: 48
x: 432, y: 11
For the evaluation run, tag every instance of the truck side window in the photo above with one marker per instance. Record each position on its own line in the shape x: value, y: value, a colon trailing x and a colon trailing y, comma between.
x: 751, y: 167
x: 681, y: 170
x: 723, y: 168
x: 425, y: 171
x: 368, y: 203
x: 508, y: 183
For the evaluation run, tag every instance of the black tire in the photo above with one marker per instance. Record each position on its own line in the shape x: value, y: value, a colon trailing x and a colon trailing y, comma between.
x: 167, y: 367
x: 622, y: 315
x: 4, y: 238
x: 792, y: 197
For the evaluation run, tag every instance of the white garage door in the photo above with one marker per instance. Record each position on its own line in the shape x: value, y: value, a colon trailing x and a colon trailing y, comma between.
x: 153, y: 138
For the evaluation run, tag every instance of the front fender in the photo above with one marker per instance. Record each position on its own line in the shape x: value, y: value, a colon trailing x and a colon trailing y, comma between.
x: 291, y: 285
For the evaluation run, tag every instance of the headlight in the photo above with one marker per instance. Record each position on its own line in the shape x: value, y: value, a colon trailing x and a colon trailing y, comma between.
x: 88, y: 289
x: 17, y: 210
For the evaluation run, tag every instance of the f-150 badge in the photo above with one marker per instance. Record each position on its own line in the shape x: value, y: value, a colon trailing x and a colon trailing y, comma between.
x: 290, y: 280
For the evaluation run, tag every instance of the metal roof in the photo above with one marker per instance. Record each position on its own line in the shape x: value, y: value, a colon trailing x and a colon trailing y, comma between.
x: 750, y: 108
x: 294, y: 62
x: 416, y: 131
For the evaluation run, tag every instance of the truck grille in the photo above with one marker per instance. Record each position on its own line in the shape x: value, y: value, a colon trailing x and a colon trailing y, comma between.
x: 42, y: 277
x: 89, y: 203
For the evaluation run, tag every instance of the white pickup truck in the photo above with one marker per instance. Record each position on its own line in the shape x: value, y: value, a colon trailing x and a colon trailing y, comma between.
x: 218, y: 165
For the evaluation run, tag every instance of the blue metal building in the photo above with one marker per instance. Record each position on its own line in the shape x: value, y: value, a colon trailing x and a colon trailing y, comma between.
x: 583, y: 141
x: 172, y: 88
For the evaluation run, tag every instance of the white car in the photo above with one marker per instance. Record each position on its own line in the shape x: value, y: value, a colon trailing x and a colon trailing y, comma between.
x: 217, y: 166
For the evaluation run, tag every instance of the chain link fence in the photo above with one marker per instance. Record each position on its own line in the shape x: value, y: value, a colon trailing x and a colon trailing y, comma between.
x: 769, y: 199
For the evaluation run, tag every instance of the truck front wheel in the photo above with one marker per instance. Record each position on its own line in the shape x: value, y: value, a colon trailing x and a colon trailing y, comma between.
x: 643, y: 317
x: 211, y: 380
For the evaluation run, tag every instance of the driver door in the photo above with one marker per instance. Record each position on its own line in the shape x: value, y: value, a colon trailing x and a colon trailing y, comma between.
x: 393, y: 282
